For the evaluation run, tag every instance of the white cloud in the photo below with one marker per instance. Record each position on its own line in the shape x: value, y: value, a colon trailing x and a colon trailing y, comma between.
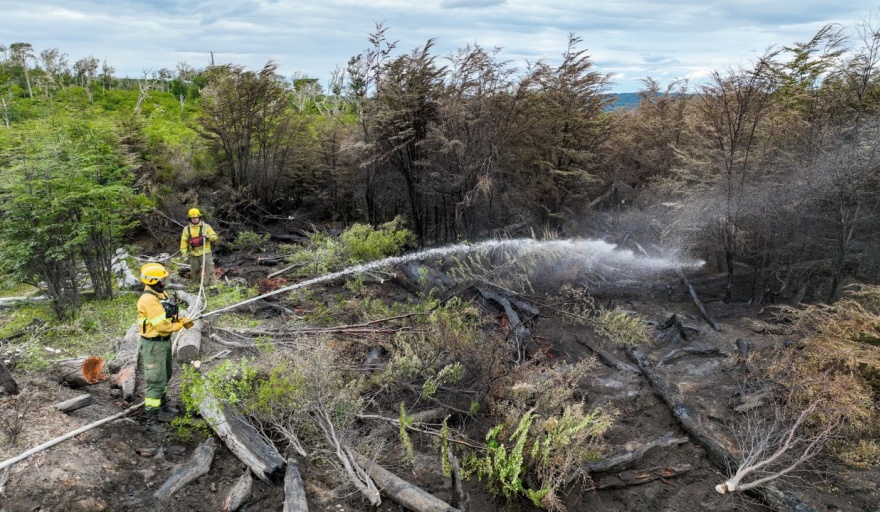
x: 627, y: 38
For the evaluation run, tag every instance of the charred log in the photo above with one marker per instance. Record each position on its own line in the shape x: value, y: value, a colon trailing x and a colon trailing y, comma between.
x: 242, y: 439
x: 400, y: 491
x: 199, y: 464
x: 75, y: 403
x: 294, y: 490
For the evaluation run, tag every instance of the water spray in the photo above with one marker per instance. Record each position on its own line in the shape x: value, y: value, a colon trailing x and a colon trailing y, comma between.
x: 596, y: 251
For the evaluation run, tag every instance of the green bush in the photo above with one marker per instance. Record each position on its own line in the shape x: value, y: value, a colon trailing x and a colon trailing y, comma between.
x: 363, y: 243
x: 248, y: 240
x: 621, y: 327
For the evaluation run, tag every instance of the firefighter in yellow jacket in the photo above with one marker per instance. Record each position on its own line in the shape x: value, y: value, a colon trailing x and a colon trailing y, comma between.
x: 195, y: 244
x: 157, y: 319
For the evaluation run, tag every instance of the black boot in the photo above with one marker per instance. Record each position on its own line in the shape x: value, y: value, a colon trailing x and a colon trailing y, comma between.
x: 167, y: 408
x: 151, y: 421
x: 166, y: 412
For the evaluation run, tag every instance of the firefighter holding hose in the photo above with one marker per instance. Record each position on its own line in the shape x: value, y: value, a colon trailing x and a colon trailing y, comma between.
x: 158, y: 318
x: 195, y: 245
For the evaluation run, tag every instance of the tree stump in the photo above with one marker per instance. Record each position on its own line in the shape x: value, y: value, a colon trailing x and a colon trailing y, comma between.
x: 83, y: 371
x: 6, y: 381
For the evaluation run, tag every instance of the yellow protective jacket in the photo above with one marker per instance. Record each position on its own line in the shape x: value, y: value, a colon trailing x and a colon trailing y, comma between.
x: 191, y: 234
x: 152, y: 321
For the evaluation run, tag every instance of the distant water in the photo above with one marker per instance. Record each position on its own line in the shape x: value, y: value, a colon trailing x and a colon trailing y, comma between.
x: 623, y: 100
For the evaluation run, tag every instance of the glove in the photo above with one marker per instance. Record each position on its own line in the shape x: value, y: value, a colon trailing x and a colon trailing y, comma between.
x: 187, y: 322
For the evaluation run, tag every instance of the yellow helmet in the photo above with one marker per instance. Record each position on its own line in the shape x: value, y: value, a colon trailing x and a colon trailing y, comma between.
x: 194, y: 212
x: 152, y: 273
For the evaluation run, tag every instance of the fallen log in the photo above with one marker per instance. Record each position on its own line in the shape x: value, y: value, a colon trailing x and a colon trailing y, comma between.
x: 519, y: 333
x: 199, y: 464
x: 6, y: 380
x: 79, y: 372
x: 9, y: 302
x: 776, y: 497
x: 294, y: 490
x: 632, y: 454
x: 285, y: 269
x: 639, y: 477
x: 189, y: 341
x: 124, y: 365
x: 52, y: 442
x: 242, y: 439
x: 698, y: 302
x: 606, y: 356
x: 240, y: 492
x: 400, y: 491
x: 75, y: 403
x: 460, y: 498
x: 702, y: 350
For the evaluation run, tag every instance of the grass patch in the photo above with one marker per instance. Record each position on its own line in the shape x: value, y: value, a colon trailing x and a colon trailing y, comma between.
x: 93, y: 331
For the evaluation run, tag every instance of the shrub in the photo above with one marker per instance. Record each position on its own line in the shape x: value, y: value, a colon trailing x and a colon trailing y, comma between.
x: 363, y: 243
x: 248, y: 240
x: 839, y: 358
x: 621, y: 327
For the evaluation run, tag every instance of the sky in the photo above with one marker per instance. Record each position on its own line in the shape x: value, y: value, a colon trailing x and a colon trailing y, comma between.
x: 627, y: 39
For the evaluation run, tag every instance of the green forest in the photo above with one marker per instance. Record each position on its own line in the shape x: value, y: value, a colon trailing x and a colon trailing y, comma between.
x: 768, y: 172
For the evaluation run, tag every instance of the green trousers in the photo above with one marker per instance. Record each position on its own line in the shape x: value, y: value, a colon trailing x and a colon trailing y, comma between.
x: 196, y: 264
x: 156, y: 357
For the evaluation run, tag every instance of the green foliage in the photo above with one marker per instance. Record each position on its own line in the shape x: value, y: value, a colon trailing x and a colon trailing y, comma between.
x: 363, y: 243
x: 406, y: 421
x: 358, y: 244
x: 248, y: 240
x: 621, y: 327
x: 504, y: 467
x: 66, y: 197
x: 229, y: 383
x: 449, y: 373
x: 85, y: 333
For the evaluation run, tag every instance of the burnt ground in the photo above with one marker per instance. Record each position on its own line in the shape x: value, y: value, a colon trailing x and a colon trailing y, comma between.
x: 104, y: 469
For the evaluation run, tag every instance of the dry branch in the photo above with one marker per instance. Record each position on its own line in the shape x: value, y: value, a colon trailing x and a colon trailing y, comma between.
x: 777, y: 448
x: 606, y: 356
x: 717, y: 454
x: 702, y: 350
x: 199, y: 464
x: 698, y: 302
x: 75, y: 403
x: 519, y: 333
x: 630, y: 455
x: 240, y: 492
x: 400, y: 491
x: 639, y: 477
x: 242, y: 439
x: 294, y: 490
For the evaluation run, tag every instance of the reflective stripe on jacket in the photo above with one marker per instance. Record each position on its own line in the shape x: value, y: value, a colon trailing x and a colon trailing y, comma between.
x: 152, y: 321
x: 200, y: 229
